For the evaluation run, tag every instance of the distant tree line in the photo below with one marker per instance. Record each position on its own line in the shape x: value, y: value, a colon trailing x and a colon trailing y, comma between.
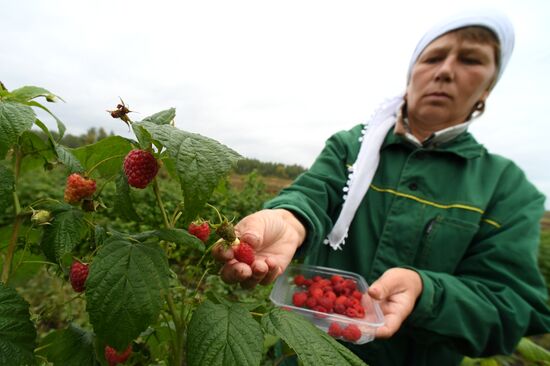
x: 245, y: 166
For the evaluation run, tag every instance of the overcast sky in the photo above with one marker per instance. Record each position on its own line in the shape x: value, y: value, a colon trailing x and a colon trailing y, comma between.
x: 270, y: 79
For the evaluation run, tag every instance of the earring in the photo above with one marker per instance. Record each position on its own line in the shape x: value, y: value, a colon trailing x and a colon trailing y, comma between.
x: 479, y: 106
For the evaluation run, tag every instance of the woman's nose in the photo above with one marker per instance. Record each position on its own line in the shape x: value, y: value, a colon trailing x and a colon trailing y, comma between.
x: 445, y: 71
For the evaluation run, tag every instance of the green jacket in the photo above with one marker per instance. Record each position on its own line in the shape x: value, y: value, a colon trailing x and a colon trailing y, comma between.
x: 466, y: 220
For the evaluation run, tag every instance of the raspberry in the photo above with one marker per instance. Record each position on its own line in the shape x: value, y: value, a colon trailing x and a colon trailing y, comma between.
x: 78, y: 275
x: 78, y: 188
x: 200, y: 230
x: 113, y: 358
x: 299, y: 299
x: 299, y: 280
x: 351, y: 333
x: 244, y: 253
x: 335, y: 330
x: 140, y: 167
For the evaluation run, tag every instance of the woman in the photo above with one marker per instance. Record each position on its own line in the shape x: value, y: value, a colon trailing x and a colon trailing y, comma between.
x: 446, y: 232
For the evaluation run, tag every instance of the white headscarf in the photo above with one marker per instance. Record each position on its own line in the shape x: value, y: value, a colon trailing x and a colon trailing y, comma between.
x: 375, y: 130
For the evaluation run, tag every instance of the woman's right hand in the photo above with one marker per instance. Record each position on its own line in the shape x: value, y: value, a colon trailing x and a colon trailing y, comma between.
x: 275, y: 235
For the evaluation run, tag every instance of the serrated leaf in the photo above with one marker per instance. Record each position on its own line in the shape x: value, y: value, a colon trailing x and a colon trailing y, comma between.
x: 105, y: 156
x: 66, y: 230
x: 15, y: 118
x: 68, y: 159
x: 200, y: 163
x: 162, y: 118
x: 123, y: 290
x: 99, y: 235
x: 60, y: 125
x: 223, y: 335
x: 35, y: 151
x: 123, y: 203
x: 178, y: 236
x: 73, y: 346
x: 26, y: 93
x: 7, y: 186
x: 144, y: 138
x: 312, y: 346
x: 532, y: 351
x: 17, y: 332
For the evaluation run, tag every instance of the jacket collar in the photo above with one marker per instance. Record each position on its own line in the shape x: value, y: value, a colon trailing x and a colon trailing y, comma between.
x: 463, y: 145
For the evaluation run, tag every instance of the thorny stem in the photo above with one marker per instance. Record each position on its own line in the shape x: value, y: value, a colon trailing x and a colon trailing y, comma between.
x: 161, y: 205
x: 178, y: 340
x: 16, y: 225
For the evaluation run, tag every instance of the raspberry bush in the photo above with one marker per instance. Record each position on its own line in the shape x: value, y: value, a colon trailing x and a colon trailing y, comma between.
x: 149, y: 292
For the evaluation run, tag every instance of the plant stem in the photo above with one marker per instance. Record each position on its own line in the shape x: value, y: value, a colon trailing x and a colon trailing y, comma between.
x: 16, y: 225
x: 161, y: 205
x: 102, y: 161
x: 178, y: 344
x: 11, y: 249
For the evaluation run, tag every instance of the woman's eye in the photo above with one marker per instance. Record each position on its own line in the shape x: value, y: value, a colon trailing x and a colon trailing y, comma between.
x: 432, y: 59
x: 471, y: 61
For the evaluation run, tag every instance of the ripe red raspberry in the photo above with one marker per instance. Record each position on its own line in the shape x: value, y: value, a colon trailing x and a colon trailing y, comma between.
x: 351, y: 333
x: 299, y: 280
x: 299, y: 299
x: 335, y: 330
x: 200, y: 230
x: 78, y: 188
x: 78, y: 275
x: 244, y: 253
x: 140, y: 167
x: 113, y: 358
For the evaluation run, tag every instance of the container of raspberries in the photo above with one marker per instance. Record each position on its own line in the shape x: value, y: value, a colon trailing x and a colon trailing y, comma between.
x: 333, y: 300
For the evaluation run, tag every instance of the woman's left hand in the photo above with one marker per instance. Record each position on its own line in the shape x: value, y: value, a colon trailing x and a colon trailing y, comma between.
x: 396, y: 290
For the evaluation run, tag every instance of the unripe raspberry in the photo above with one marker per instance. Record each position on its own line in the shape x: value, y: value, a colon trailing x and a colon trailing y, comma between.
x: 78, y: 275
x: 78, y: 188
x: 140, y: 167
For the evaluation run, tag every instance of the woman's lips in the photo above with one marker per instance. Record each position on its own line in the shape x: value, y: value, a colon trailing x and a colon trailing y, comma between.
x: 439, y: 95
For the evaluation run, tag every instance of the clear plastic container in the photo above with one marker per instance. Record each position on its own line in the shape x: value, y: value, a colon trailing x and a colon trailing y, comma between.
x: 358, y: 328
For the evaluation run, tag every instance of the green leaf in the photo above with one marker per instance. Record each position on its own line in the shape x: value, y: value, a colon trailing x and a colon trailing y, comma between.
x: 15, y: 118
x: 162, y: 118
x: 178, y: 236
x: 532, y: 351
x: 7, y: 186
x: 17, y: 332
x: 35, y: 151
x: 60, y: 125
x: 73, y: 346
x: 66, y: 230
x: 200, y: 163
x: 68, y: 159
x: 143, y: 136
x: 106, y: 156
x: 123, y: 290
x: 123, y: 203
x: 26, y: 93
x: 223, y: 335
x: 313, y: 346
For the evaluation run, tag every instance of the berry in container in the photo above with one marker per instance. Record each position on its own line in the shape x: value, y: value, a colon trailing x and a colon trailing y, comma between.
x: 335, y: 301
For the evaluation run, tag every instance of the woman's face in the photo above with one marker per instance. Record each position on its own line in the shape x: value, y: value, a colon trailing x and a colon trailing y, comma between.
x: 450, y: 76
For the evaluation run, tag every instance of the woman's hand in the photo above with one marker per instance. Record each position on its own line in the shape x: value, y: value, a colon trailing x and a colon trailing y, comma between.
x: 397, y: 290
x: 275, y: 235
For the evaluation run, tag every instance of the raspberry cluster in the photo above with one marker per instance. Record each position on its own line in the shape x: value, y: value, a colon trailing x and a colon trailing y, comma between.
x: 334, y: 295
x: 113, y: 357
x: 331, y: 295
x: 244, y: 253
x: 78, y: 188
